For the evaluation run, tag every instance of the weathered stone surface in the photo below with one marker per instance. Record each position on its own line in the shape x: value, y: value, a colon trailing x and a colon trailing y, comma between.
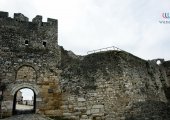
x: 81, y: 100
x: 98, y: 106
x: 112, y: 82
x: 53, y: 112
x: 93, y: 111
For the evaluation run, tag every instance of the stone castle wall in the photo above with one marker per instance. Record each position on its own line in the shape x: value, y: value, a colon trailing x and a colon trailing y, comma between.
x: 113, y: 85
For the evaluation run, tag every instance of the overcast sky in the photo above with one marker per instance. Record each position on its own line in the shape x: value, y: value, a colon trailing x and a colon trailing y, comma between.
x: 27, y: 94
x: 84, y: 25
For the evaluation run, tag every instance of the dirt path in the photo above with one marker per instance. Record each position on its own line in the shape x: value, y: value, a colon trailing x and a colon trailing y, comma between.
x: 23, y: 107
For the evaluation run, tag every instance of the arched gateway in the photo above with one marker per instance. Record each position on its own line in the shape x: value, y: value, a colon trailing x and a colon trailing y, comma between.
x: 23, y: 106
x: 26, y: 77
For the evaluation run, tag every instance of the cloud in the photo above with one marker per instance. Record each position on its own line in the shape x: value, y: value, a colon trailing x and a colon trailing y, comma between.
x: 155, y: 42
x: 85, y: 25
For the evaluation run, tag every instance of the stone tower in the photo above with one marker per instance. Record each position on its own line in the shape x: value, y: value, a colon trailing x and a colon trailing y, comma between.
x: 29, y: 58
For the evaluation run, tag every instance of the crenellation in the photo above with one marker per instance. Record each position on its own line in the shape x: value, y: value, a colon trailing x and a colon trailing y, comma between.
x: 3, y: 14
x: 52, y: 21
x: 37, y: 19
x: 19, y: 34
x: 20, y: 17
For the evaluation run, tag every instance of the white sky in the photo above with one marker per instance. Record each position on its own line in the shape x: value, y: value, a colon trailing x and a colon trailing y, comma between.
x: 27, y: 94
x: 84, y: 25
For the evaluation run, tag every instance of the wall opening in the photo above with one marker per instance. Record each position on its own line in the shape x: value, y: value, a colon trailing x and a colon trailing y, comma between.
x: 44, y: 44
x: 26, y: 42
x: 158, y: 62
x: 24, y: 101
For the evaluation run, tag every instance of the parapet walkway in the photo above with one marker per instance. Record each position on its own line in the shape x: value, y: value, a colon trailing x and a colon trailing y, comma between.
x: 27, y: 117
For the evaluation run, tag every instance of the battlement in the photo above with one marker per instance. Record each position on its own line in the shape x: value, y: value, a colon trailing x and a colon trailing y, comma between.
x: 3, y: 14
x: 19, y: 34
x: 23, y: 18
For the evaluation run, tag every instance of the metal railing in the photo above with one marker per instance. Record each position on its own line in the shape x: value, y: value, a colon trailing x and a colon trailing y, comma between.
x: 104, y: 49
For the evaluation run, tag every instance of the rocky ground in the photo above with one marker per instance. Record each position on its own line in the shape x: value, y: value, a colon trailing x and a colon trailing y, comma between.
x: 28, y: 117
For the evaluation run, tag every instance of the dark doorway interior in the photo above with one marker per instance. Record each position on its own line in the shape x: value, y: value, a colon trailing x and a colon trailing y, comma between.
x: 24, y: 101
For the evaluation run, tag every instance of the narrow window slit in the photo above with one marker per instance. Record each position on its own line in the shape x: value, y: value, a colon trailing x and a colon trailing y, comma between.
x: 44, y: 44
x: 26, y: 42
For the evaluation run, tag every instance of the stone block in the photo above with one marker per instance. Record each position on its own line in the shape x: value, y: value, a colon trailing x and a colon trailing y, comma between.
x: 98, y: 106
x: 67, y: 114
x: 80, y: 104
x: 84, y: 116
x: 77, y: 113
x: 38, y: 99
x: 45, y: 87
x: 93, y: 94
x: 70, y: 106
x: 71, y: 98
x: 80, y: 108
x: 93, y: 111
x: 88, y: 112
x: 53, y: 112
x: 74, y: 117
x: 64, y: 107
x: 81, y: 99
x: 7, y: 104
x: 45, y: 79
x: 85, y: 119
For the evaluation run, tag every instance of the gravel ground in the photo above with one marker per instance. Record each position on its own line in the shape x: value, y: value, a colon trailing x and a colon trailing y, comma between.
x: 23, y: 107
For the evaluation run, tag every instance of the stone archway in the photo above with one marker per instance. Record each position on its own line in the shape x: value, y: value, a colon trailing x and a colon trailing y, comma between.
x: 26, y: 77
x: 43, y: 83
x: 17, y: 87
x: 158, y: 61
x: 15, y: 111
x: 26, y: 73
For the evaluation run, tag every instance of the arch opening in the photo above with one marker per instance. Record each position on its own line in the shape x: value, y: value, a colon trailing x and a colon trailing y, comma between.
x: 158, y: 62
x: 24, y: 101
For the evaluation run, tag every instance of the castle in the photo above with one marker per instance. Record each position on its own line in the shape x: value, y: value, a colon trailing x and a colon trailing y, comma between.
x: 111, y: 85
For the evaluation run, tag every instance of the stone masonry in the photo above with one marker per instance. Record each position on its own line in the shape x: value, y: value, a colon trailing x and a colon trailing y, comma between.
x: 29, y: 57
x: 111, y: 85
